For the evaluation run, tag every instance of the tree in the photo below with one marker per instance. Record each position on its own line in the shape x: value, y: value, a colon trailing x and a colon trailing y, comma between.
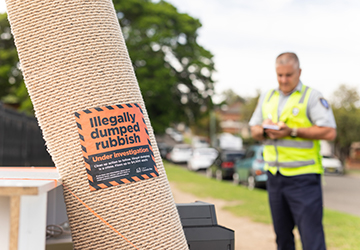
x: 230, y: 97
x: 347, y: 115
x: 12, y: 87
x: 345, y: 97
x: 173, y: 70
x: 250, y: 105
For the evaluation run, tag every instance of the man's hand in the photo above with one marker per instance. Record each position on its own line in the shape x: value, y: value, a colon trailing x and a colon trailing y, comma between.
x: 283, y: 131
x: 314, y: 132
x: 268, y: 122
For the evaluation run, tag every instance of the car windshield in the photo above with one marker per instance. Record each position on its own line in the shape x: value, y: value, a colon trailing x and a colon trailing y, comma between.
x: 182, y: 149
x: 233, y: 157
x: 327, y: 156
x: 262, y: 155
x: 205, y: 151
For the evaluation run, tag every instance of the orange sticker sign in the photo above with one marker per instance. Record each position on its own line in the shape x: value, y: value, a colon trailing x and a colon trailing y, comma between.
x: 116, y: 145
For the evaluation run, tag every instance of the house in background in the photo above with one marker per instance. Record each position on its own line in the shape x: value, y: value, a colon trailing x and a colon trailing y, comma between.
x: 230, y: 120
x: 353, y: 161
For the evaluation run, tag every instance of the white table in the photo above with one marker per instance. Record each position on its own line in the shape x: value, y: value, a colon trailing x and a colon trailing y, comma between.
x: 23, y: 206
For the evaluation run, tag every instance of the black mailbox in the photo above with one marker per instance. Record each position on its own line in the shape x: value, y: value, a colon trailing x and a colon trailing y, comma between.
x: 201, y: 229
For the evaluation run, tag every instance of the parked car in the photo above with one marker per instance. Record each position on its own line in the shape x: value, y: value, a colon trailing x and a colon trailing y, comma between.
x: 169, y: 131
x: 223, y: 166
x: 177, y: 136
x: 333, y: 165
x: 227, y: 141
x: 250, y: 169
x: 164, y: 149
x: 199, y: 142
x: 202, y: 158
x: 174, y: 134
x: 180, y: 153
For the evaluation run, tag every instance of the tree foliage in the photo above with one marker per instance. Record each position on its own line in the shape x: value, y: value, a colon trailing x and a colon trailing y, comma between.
x: 173, y: 70
x: 250, y: 105
x: 344, y: 104
x: 345, y: 97
x: 230, y: 97
x: 12, y: 87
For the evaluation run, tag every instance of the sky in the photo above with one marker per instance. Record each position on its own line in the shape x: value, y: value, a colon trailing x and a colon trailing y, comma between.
x: 246, y: 36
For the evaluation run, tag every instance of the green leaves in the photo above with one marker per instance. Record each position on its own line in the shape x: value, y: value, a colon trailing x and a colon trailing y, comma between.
x: 10, y: 75
x: 173, y: 70
x: 345, y: 106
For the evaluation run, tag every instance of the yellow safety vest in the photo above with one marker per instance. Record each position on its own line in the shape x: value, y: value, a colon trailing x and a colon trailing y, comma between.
x: 291, y: 156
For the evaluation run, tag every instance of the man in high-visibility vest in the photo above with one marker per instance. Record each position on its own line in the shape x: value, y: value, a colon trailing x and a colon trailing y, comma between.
x: 290, y: 120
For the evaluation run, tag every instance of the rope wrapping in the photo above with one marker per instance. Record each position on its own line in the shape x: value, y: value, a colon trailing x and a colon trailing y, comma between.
x: 73, y: 57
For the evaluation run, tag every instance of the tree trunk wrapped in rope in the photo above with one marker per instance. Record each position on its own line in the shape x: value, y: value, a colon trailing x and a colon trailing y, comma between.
x: 74, y: 60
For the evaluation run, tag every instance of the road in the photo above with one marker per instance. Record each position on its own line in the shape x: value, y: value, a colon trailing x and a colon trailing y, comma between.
x: 341, y: 193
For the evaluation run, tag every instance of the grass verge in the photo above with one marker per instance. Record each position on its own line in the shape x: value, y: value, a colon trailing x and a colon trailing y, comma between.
x: 353, y: 172
x: 341, y: 230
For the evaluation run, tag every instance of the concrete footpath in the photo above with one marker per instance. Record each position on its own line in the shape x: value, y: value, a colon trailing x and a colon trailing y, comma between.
x: 340, y: 193
x: 248, y: 235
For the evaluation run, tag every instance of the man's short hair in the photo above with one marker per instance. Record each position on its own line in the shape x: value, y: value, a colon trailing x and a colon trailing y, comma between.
x: 287, y: 57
